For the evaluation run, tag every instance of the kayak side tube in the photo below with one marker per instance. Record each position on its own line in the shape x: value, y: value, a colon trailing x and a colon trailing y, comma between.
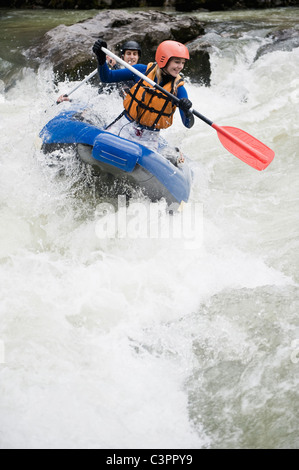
x: 64, y: 129
x: 177, y: 180
x: 114, y: 150
x: 125, y: 155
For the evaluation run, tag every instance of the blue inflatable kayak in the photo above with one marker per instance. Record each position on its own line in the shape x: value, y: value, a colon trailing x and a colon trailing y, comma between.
x: 157, y: 176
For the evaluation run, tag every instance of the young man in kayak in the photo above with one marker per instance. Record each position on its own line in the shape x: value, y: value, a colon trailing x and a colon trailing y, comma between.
x: 130, y: 53
x: 148, y: 110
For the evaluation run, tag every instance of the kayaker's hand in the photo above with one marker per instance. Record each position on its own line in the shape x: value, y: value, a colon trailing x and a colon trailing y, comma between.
x: 185, y: 105
x: 111, y: 62
x: 97, y: 49
x: 62, y: 98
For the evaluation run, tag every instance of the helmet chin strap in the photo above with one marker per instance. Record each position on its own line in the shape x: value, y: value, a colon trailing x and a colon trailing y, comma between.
x: 164, y: 72
x: 166, y: 76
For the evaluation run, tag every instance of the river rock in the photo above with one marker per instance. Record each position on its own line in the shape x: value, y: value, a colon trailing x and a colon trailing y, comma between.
x: 282, y: 40
x: 69, y: 48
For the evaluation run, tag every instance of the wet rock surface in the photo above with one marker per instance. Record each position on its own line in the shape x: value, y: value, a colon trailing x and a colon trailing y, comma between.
x: 69, y: 48
x: 281, y: 40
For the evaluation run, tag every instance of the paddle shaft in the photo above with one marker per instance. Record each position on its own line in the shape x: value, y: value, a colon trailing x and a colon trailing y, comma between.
x: 92, y: 74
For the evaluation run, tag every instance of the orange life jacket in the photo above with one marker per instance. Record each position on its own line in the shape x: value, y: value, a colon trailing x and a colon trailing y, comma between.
x: 150, y: 107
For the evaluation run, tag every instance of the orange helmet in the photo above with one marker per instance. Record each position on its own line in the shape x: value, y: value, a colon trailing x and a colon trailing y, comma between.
x: 168, y: 49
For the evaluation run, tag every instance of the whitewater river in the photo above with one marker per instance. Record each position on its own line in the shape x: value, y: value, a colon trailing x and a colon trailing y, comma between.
x: 138, y: 342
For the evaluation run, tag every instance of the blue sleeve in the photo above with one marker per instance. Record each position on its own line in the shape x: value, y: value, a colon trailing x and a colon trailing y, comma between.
x: 120, y: 75
x: 187, y: 121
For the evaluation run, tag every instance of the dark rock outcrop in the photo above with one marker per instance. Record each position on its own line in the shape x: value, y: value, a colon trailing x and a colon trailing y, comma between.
x: 179, y: 5
x: 69, y: 48
x: 222, y: 5
x: 282, y: 40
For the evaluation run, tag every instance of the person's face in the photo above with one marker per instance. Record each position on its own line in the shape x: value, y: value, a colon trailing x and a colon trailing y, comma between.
x: 131, y: 57
x: 174, y: 66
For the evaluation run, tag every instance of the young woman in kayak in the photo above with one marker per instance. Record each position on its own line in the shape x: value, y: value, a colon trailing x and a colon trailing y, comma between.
x: 147, y: 110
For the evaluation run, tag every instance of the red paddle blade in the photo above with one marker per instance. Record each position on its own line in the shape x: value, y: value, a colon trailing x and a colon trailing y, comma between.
x: 244, y: 146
